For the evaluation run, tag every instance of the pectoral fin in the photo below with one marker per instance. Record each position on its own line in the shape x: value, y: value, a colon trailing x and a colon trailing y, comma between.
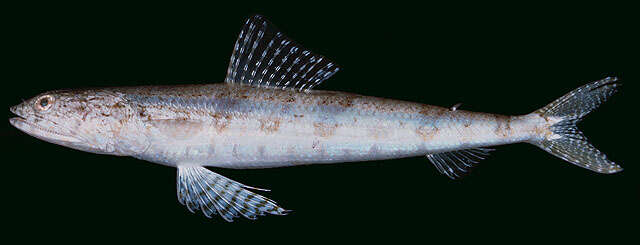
x: 199, y: 188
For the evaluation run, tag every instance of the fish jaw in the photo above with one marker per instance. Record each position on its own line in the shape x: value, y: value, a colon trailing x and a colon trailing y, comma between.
x: 49, y: 133
x: 41, y: 129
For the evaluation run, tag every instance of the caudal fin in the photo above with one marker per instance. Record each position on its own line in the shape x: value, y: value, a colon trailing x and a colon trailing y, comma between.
x: 567, y: 142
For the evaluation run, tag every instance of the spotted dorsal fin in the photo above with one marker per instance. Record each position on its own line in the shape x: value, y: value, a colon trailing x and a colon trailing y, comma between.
x: 264, y: 57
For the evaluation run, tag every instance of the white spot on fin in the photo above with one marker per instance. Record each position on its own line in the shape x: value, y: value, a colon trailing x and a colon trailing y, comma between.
x: 199, y: 188
x: 262, y: 56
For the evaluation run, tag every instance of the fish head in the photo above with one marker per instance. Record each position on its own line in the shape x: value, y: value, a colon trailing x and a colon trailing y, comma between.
x: 86, y: 120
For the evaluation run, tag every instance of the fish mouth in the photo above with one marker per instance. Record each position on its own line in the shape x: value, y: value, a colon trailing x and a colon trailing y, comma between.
x: 51, y: 133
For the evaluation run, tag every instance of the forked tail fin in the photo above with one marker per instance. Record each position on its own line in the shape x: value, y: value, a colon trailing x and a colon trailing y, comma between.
x: 567, y: 142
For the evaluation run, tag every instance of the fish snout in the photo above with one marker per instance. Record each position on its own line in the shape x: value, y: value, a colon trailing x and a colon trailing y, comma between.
x: 14, y: 109
x: 15, y: 121
x: 19, y: 110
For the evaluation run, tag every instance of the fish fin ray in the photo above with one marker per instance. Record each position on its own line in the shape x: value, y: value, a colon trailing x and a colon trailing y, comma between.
x: 567, y: 141
x: 200, y: 188
x: 264, y: 57
x: 455, y: 164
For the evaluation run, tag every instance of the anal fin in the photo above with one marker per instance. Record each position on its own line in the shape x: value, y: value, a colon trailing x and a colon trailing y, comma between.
x: 455, y: 164
x: 199, y: 188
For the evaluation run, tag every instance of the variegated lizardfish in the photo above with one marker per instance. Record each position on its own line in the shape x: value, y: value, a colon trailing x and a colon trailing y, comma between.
x: 268, y: 114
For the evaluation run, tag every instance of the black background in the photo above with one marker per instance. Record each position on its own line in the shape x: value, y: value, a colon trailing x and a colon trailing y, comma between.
x: 502, y: 59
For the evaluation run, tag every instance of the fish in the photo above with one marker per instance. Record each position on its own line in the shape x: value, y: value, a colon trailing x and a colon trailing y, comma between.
x: 267, y: 113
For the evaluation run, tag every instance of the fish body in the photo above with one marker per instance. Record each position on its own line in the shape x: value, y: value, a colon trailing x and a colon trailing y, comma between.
x: 268, y: 114
x: 235, y: 126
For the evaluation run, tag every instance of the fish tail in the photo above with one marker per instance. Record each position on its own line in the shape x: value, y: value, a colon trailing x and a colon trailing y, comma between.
x: 562, y: 137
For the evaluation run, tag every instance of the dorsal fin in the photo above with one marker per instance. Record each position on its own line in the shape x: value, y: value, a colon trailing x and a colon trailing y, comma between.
x: 264, y: 57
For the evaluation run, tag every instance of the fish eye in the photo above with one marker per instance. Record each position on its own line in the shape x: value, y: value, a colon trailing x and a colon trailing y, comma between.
x: 44, y: 102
